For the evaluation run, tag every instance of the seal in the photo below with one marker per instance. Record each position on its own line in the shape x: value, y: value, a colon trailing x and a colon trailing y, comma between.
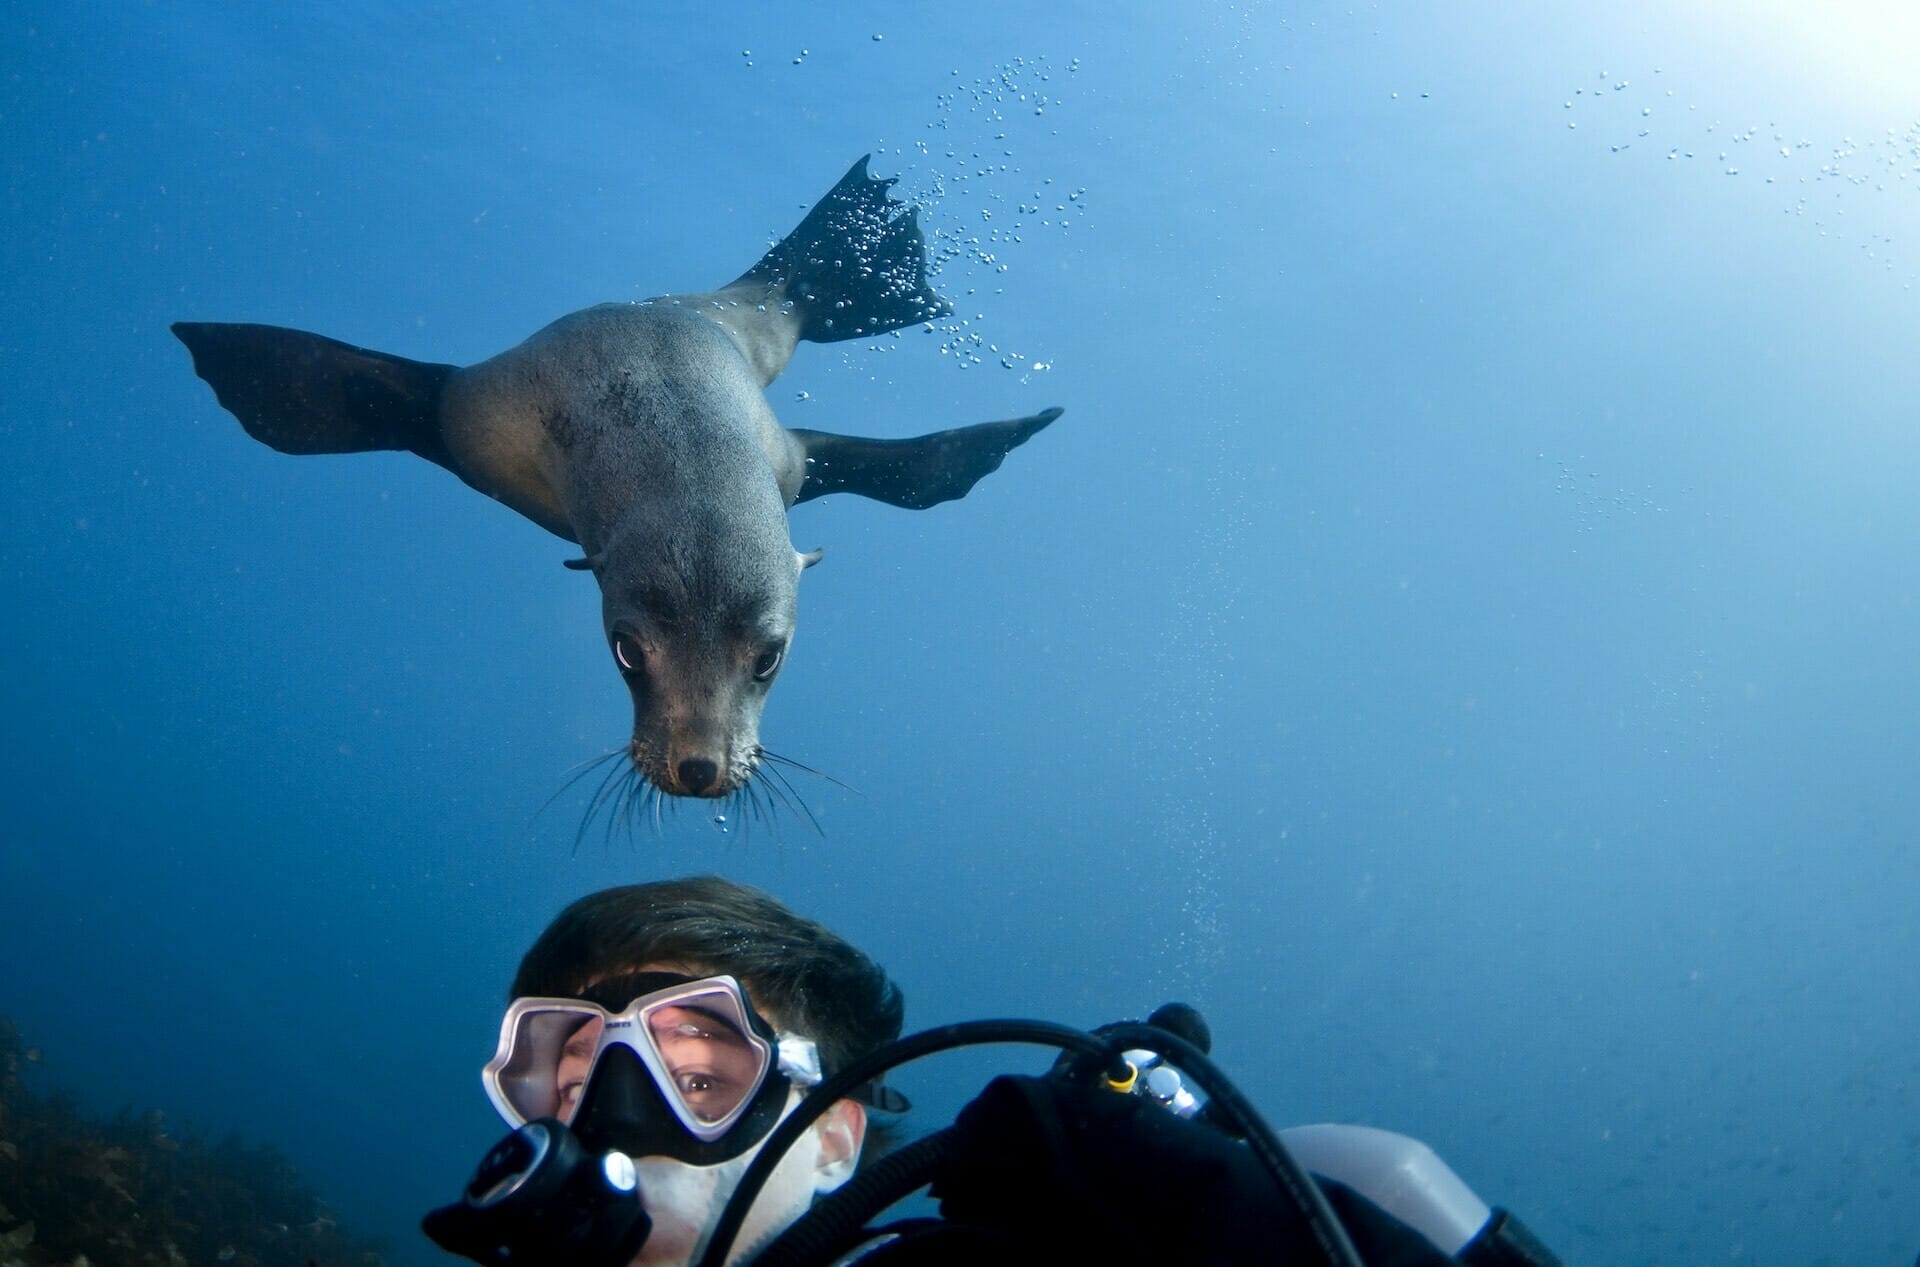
x: 642, y: 432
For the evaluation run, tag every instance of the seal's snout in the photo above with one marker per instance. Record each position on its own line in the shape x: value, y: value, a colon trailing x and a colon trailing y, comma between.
x: 695, y: 714
x: 697, y: 775
x: 687, y: 769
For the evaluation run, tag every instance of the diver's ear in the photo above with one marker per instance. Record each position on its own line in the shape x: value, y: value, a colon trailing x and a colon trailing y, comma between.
x: 808, y: 559
x: 842, y: 1129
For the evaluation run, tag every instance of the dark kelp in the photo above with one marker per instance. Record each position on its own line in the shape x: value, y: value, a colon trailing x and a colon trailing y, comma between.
x: 75, y: 1190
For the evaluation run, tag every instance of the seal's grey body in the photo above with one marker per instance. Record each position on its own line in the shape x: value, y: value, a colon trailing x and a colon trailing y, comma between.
x: 619, y: 407
x: 642, y: 432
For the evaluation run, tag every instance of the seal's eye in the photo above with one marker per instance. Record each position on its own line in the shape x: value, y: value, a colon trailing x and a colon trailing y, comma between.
x: 627, y: 652
x: 768, y: 663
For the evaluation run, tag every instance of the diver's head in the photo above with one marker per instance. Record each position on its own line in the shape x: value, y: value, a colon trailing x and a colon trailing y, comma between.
x: 678, y: 1022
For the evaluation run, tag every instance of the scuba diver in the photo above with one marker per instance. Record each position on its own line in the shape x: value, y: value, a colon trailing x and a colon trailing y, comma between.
x: 694, y: 1075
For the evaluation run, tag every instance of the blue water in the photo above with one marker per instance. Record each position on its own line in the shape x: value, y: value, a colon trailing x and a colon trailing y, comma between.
x: 1461, y: 634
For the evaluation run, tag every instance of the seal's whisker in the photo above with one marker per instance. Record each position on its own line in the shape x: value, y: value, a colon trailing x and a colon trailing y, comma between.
x: 751, y: 793
x: 790, y: 795
x: 647, y: 794
x: 650, y: 803
x: 741, y: 808
x: 622, y: 790
x: 636, y: 802
x: 636, y: 806
x: 609, y: 784
x: 776, y: 795
x: 804, y: 768
x: 574, y: 774
x: 635, y: 790
x: 578, y: 770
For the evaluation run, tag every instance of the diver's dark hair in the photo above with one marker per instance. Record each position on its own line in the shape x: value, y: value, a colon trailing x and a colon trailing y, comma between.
x: 810, y: 979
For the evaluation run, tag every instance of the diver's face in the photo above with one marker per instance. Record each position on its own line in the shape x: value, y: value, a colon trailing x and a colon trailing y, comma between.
x: 684, y: 1201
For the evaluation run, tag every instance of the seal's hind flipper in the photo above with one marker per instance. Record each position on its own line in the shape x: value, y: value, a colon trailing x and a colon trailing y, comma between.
x: 916, y: 473
x: 852, y: 268
x: 304, y: 393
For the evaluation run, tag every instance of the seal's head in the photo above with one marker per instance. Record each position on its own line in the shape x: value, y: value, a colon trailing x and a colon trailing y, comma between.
x: 698, y: 618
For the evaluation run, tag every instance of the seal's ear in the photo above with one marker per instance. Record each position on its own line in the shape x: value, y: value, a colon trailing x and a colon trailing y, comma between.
x: 808, y: 559
x: 589, y: 564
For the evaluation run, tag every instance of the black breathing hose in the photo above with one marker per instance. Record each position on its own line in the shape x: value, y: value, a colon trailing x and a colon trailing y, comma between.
x: 872, y: 1065
x: 891, y: 1178
x: 834, y: 1223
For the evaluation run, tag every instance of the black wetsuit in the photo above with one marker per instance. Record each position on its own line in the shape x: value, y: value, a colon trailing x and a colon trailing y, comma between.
x: 1040, y: 1172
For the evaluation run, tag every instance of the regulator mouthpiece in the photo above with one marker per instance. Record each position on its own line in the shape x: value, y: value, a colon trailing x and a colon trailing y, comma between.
x: 539, y: 1196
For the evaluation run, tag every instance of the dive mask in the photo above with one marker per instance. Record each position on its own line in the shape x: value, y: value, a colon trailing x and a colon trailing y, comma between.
x: 685, y: 1068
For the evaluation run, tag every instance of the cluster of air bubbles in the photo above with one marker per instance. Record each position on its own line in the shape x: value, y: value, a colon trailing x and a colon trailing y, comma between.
x: 1593, y: 501
x: 981, y: 209
x: 1828, y: 179
x: 746, y: 55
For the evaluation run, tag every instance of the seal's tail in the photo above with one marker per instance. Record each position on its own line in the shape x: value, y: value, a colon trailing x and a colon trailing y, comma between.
x: 853, y: 268
x: 305, y: 393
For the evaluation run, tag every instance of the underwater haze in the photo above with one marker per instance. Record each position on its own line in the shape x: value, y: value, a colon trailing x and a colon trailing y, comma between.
x: 1461, y: 635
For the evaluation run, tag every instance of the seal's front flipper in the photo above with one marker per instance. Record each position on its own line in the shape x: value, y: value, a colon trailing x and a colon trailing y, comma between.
x: 916, y: 473
x: 852, y: 268
x: 303, y: 393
